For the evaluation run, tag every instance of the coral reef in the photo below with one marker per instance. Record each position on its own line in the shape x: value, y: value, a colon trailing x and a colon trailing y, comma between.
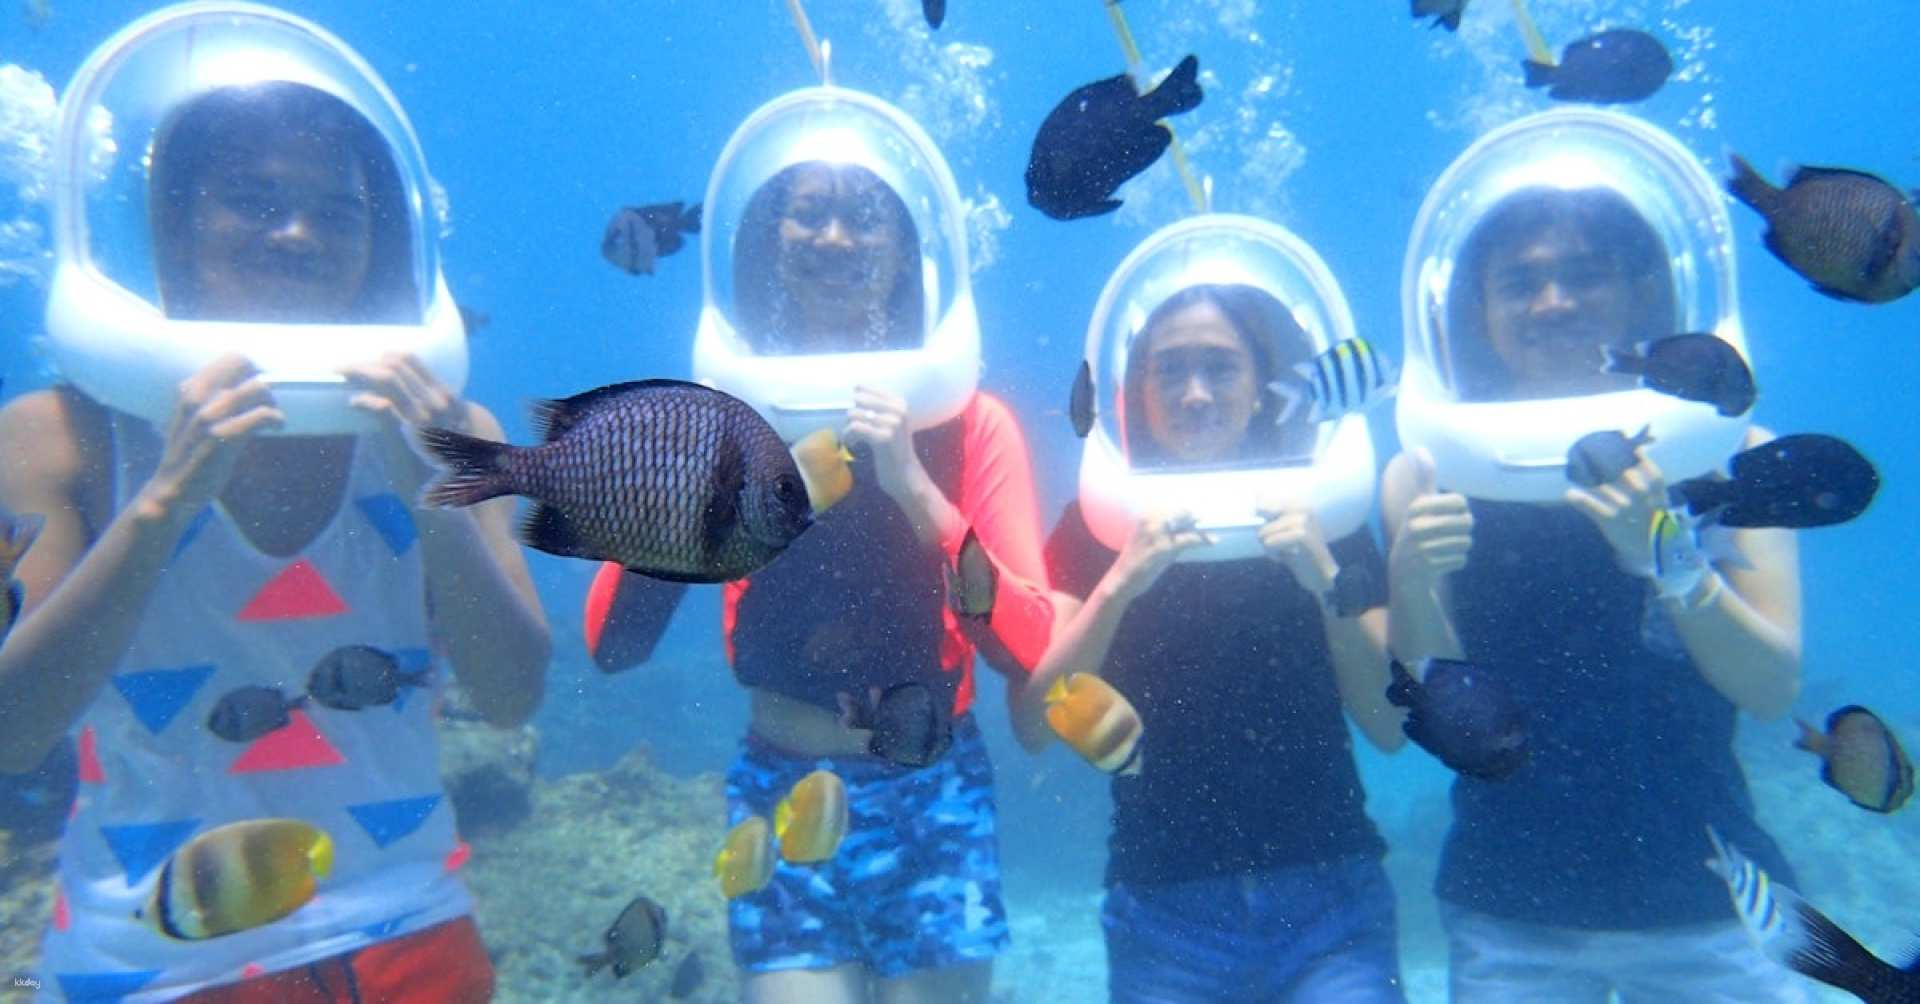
x: 548, y: 889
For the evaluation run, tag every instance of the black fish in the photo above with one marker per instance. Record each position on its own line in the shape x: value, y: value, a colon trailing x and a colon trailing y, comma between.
x: 1612, y: 67
x: 1080, y: 401
x: 1795, y: 482
x: 972, y: 580
x: 1101, y: 135
x: 1860, y: 758
x: 1851, y: 234
x: 1698, y: 367
x: 687, y: 977
x: 1598, y: 458
x: 935, y: 10
x: 909, y: 726
x: 637, y: 235
x: 352, y: 677
x: 1445, y: 13
x: 1791, y: 932
x: 17, y: 533
x: 633, y: 941
x: 1463, y: 718
x: 244, y: 714
x: 670, y: 479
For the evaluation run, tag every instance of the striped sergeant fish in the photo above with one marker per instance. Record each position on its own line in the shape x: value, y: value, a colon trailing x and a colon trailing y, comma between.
x: 1349, y: 377
x: 1791, y: 932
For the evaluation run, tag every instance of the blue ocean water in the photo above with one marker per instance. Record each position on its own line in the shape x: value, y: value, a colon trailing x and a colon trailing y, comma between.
x: 1330, y: 118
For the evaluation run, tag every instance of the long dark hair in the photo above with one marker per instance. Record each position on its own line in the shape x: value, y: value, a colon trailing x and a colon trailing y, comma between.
x: 1270, y: 333
x: 191, y: 144
x: 764, y: 304
x: 1610, y: 226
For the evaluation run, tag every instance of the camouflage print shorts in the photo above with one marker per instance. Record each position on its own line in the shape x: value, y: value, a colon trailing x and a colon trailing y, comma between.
x: 915, y: 884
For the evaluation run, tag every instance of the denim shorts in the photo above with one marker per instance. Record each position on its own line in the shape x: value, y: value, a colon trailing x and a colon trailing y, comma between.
x: 1496, y: 960
x: 915, y: 885
x: 1302, y: 935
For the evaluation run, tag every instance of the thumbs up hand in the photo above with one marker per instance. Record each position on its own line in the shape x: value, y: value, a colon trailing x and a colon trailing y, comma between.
x: 1437, y: 532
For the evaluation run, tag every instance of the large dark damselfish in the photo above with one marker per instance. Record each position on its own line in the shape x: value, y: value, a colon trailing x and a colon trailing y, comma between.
x: 633, y: 940
x: 1462, y: 717
x: 1612, y: 67
x: 1788, y: 930
x: 1698, y: 367
x: 1851, y: 234
x: 909, y: 726
x: 1794, y: 482
x: 1101, y: 135
x: 935, y: 10
x: 639, y: 235
x: 670, y: 479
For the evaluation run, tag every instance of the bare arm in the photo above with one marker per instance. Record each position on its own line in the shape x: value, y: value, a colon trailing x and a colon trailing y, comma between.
x: 483, y: 601
x: 1428, y: 536
x: 86, y: 593
x: 1740, y: 625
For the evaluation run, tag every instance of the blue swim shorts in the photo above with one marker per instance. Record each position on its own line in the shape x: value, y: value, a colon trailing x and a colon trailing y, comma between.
x: 915, y: 884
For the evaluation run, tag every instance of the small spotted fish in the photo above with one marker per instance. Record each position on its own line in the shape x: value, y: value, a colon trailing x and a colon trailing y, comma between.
x: 633, y: 941
x: 1347, y: 378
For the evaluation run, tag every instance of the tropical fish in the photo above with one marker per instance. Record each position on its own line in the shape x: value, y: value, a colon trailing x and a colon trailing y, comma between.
x: 1445, y: 13
x: 1848, y: 232
x: 244, y: 714
x: 1462, y: 717
x: 17, y: 533
x: 352, y: 677
x: 637, y: 236
x: 1796, y: 482
x: 1611, y: 67
x: 237, y: 877
x: 1101, y: 135
x: 633, y: 941
x: 1788, y: 930
x: 909, y: 727
x: 1347, y: 378
x: 1080, y: 401
x: 811, y: 821
x: 1697, y: 367
x: 1097, y: 721
x: 688, y: 976
x: 935, y: 10
x: 1860, y: 758
x: 972, y: 579
x: 1599, y: 458
x: 1677, y: 560
x: 744, y: 862
x: 669, y: 479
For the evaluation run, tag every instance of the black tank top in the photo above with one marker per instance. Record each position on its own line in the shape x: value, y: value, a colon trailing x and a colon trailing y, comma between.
x: 857, y: 600
x: 1247, y: 762
x: 1632, y: 747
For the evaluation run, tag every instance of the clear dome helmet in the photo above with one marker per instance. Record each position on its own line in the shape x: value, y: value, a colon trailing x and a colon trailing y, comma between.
x: 1257, y: 275
x: 793, y: 320
x: 1586, y: 197
x: 125, y: 320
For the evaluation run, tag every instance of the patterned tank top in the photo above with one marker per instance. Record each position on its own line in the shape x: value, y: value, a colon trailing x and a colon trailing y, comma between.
x: 225, y: 615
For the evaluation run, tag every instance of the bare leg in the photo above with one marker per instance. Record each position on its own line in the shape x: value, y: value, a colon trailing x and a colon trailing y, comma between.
x: 840, y: 985
x: 966, y: 983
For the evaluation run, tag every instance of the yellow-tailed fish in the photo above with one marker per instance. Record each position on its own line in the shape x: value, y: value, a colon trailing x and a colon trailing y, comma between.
x: 744, y: 863
x: 824, y: 466
x: 1097, y: 721
x: 236, y: 877
x: 810, y: 822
